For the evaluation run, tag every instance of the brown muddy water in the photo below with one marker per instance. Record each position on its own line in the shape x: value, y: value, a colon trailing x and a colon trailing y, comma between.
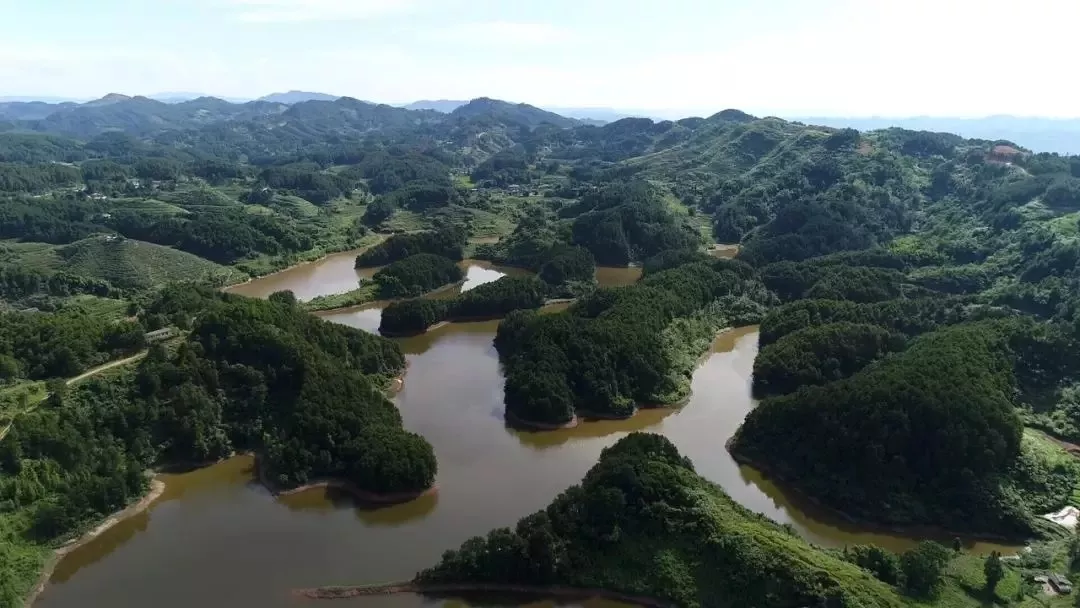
x: 217, y: 538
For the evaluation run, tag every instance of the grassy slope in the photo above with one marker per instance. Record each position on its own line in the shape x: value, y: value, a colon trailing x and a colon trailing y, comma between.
x: 129, y: 263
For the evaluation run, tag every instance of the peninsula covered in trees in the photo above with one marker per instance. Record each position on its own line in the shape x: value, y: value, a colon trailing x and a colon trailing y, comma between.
x: 309, y: 397
x: 488, y: 301
x: 643, y: 523
x: 416, y: 275
x: 620, y: 348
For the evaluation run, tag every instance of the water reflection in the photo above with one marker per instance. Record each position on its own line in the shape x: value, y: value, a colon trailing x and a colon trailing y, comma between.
x: 330, y: 275
x: 643, y: 420
x: 334, y: 499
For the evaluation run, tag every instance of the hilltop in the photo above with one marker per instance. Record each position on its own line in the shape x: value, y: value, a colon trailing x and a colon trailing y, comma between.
x: 292, y: 97
x: 127, y: 263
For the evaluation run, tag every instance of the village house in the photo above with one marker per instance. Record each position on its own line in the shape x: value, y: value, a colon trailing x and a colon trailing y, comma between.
x: 160, y: 334
x: 1060, y: 583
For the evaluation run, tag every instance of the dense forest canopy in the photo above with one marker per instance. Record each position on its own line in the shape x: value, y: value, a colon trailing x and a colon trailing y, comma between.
x: 448, y: 243
x: 933, y: 431
x: 621, y: 347
x: 309, y: 396
x: 416, y: 275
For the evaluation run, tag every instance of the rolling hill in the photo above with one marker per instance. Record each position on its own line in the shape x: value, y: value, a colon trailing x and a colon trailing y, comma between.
x: 129, y: 263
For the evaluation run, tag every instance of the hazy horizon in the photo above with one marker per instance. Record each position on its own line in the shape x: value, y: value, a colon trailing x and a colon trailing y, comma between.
x: 657, y: 113
x: 841, y: 58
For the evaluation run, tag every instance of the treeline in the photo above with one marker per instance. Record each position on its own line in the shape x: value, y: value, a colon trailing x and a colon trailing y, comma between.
x: 910, y: 317
x: 620, y: 347
x: 823, y: 194
x: 37, y: 178
x: 448, y: 243
x: 835, y: 281
x: 643, y: 523
x: 616, y: 223
x: 309, y: 181
x: 224, y: 234
x: 18, y: 283
x: 821, y: 354
x: 40, y: 346
x: 221, y: 235
x: 254, y: 375
x: 932, y: 432
x: 488, y: 301
x: 416, y: 275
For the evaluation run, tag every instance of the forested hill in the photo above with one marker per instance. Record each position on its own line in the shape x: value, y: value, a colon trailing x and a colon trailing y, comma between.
x: 642, y: 522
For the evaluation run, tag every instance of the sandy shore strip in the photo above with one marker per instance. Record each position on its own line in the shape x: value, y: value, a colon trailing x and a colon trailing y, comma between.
x: 157, y: 488
x: 529, y: 425
x: 324, y: 593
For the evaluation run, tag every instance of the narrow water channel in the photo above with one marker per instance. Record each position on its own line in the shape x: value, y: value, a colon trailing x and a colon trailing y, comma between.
x: 217, y: 538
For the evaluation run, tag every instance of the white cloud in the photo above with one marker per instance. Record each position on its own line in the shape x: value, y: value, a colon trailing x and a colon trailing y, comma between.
x: 502, y: 33
x: 290, y: 11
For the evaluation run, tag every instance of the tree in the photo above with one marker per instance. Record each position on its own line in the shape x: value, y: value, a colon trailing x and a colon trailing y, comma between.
x: 379, y: 211
x: 994, y: 571
x: 923, y: 567
x: 285, y: 297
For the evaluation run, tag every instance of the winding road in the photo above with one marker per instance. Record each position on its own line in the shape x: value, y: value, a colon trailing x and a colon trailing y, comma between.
x: 83, y: 376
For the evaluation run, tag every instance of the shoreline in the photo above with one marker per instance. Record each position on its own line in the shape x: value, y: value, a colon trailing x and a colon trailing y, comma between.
x: 157, y: 488
x: 916, y: 531
x: 586, y: 416
x: 325, y: 254
x: 252, y: 277
x: 365, y: 496
x: 371, y: 498
x: 397, y: 383
x: 413, y: 334
x: 342, y: 592
x: 528, y: 425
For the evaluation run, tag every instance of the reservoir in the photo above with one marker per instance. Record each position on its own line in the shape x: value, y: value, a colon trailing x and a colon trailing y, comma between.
x: 217, y: 538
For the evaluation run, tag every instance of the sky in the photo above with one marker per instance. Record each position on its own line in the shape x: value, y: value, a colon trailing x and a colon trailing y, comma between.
x: 678, y: 57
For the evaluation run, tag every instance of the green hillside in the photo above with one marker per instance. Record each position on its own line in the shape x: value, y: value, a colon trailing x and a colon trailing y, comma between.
x: 128, y: 263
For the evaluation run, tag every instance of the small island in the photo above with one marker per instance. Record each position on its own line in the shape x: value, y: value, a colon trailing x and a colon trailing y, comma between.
x: 416, y: 275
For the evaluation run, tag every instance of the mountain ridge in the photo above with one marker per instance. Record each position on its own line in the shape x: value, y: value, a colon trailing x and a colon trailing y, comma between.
x: 145, y: 115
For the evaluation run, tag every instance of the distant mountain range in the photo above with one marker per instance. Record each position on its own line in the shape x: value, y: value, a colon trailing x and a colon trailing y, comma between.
x: 599, y: 115
x: 292, y: 97
x: 314, y: 114
x: 1061, y: 135
x: 180, y: 110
